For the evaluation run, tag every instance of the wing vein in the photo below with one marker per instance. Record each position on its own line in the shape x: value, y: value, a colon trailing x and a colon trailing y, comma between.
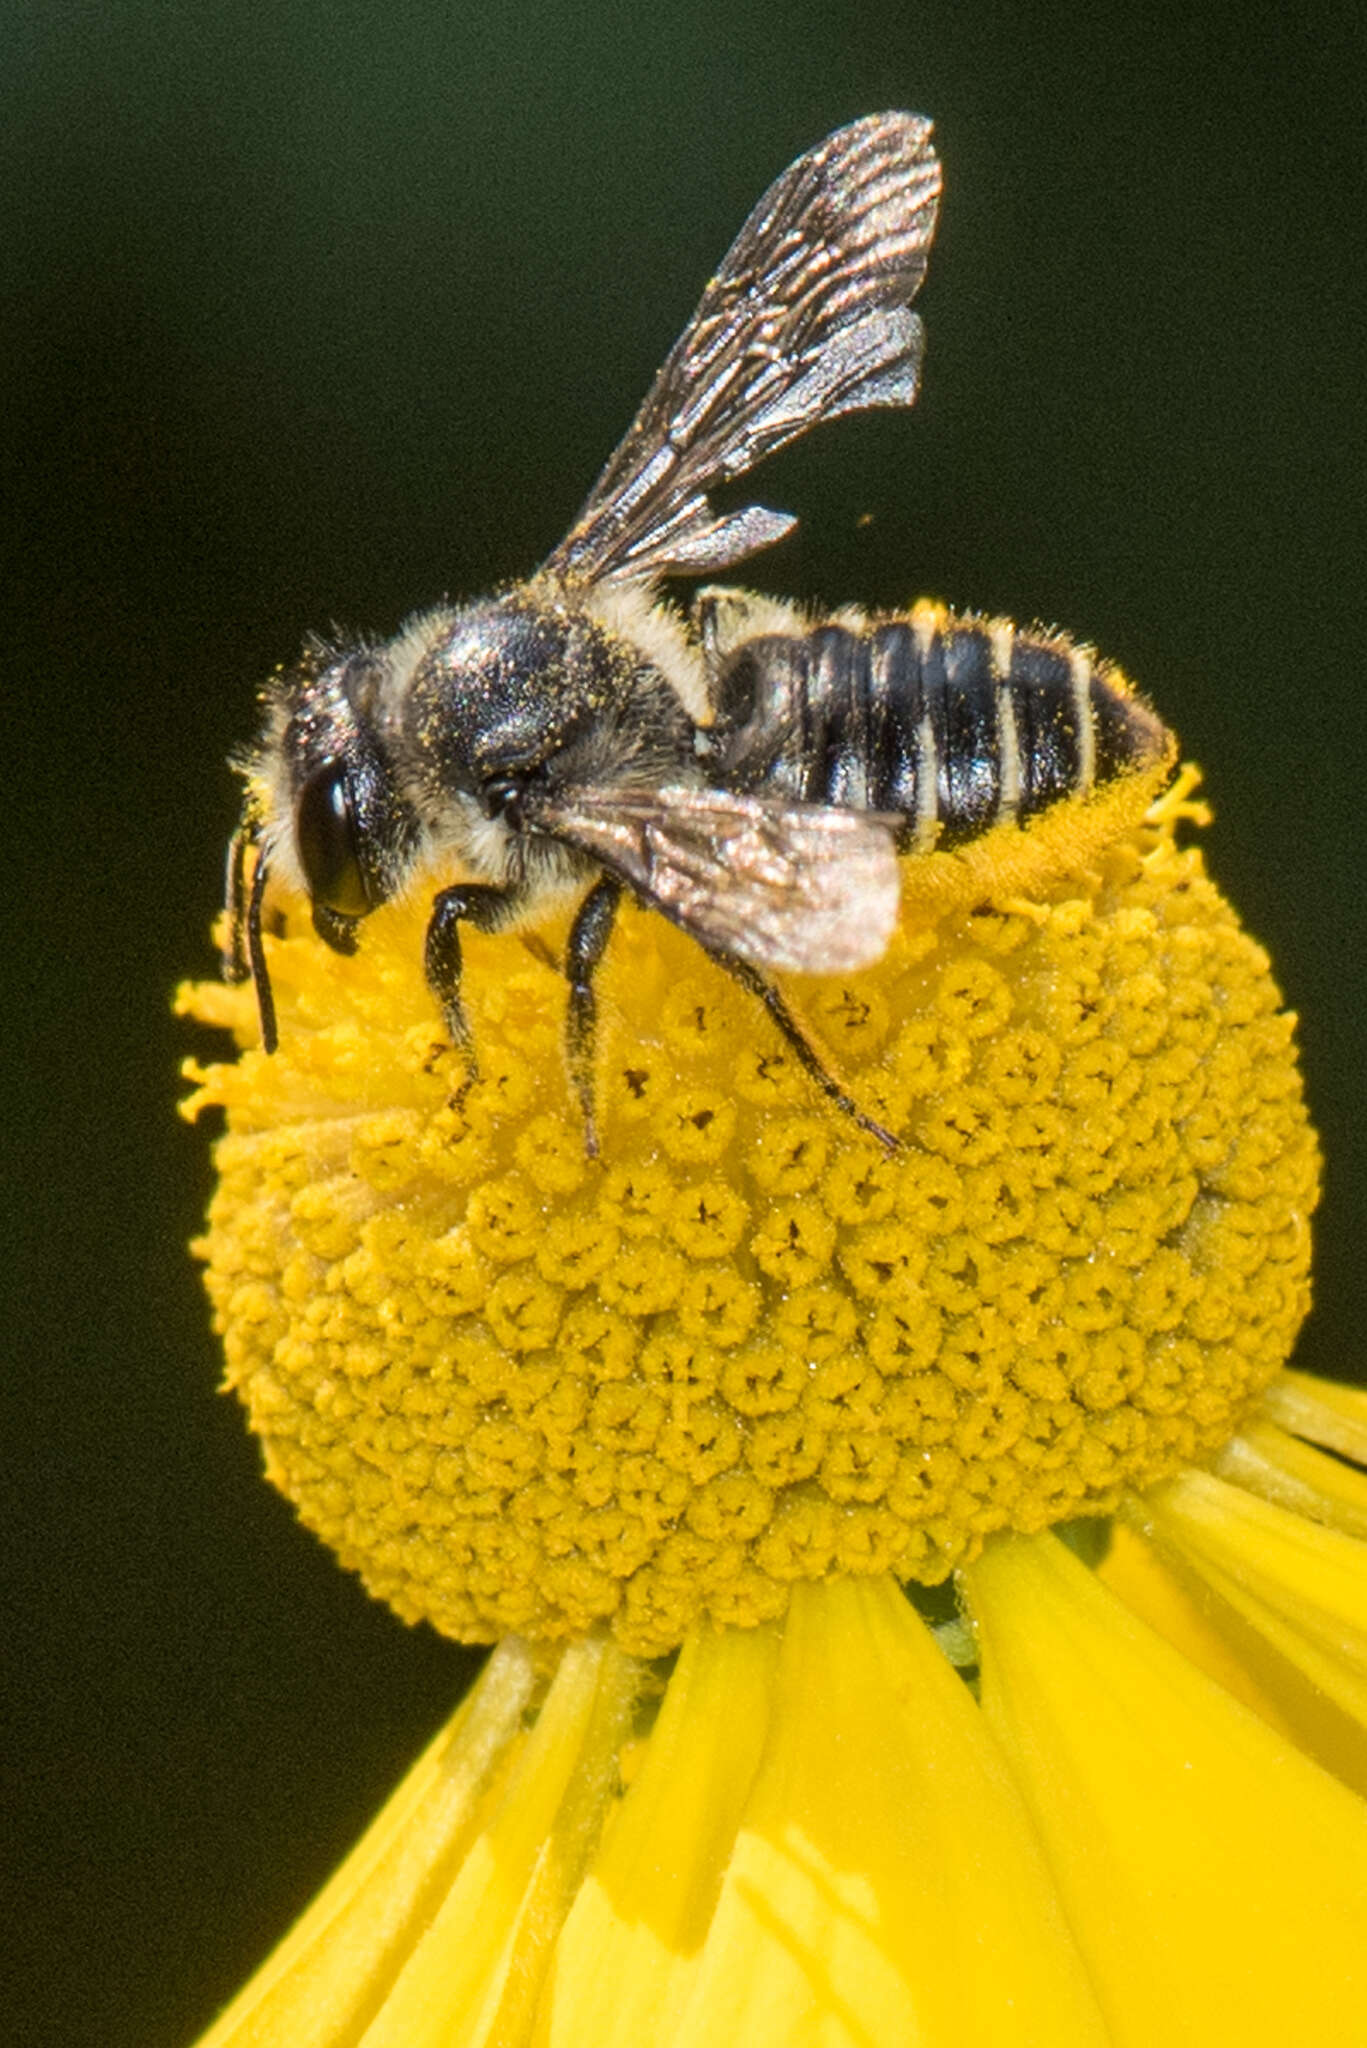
x: 807, y: 317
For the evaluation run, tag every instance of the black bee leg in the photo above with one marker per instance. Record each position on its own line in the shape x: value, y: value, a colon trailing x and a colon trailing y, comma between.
x: 488, y: 910
x: 235, y: 964
x: 256, y: 956
x: 588, y: 940
x: 751, y: 978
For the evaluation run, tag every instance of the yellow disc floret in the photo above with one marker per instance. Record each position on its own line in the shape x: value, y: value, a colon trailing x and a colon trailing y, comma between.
x: 521, y: 1390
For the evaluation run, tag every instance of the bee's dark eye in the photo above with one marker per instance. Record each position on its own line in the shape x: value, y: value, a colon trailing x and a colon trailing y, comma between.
x: 325, y: 834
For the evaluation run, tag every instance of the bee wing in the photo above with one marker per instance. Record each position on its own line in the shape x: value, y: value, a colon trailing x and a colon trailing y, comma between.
x: 799, y: 888
x: 808, y: 317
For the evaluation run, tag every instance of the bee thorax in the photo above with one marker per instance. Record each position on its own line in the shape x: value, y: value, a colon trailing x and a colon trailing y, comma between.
x: 526, y: 695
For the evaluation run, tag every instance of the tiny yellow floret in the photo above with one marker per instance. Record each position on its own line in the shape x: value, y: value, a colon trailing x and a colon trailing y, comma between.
x: 517, y: 1389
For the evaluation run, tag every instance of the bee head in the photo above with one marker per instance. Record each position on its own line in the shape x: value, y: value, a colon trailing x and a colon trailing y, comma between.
x: 323, y: 809
x: 336, y: 823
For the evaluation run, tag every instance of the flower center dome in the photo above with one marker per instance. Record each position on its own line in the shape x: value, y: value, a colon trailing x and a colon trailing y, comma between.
x: 519, y: 1390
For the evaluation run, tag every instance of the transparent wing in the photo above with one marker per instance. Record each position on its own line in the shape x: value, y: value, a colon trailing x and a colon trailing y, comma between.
x: 799, y: 888
x: 807, y: 318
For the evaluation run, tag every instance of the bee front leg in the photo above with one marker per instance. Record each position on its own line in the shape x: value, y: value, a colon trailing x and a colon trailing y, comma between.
x: 488, y: 909
x: 235, y: 964
x: 588, y: 940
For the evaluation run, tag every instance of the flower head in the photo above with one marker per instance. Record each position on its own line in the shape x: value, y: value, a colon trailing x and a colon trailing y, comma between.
x: 521, y: 1390
x: 674, y: 1425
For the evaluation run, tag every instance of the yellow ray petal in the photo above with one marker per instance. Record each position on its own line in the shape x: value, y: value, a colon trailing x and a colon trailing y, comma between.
x: 1149, y: 1587
x: 323, y: 1984
x: 475, y: 1975
x: 884, y: 1885
x: 1302, y: 1586
x: 631, y: 1946
x: 1322, y: 1410
x: 1215, y: 1878
x: 1172, y: 1597
x: 1295, y: 1475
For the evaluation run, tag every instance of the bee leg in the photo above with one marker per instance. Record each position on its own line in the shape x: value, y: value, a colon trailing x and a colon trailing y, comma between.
x: 235, y: 964
x: 256, y: 955
x: 588, y: 940
x: 751, y: 978
x: 488, y: 909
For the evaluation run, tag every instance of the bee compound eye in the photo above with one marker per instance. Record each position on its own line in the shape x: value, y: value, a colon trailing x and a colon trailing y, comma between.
x: 325, y: 832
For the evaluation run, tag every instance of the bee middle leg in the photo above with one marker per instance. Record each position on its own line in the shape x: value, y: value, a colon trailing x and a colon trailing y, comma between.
x: 488, y: 909
x: 587, y: 943
x: 808, y: 1057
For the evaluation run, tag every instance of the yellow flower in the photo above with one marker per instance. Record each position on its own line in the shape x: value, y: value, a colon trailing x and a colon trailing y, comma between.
x: 675, y: 1427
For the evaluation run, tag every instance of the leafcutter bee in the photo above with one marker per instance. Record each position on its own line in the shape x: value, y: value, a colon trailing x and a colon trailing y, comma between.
x: 749, y: 772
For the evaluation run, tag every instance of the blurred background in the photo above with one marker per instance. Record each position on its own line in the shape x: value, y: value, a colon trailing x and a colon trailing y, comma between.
x: 315, y: 312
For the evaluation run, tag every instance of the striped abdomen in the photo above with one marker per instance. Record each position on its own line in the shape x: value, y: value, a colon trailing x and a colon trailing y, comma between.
x: 959, y: 724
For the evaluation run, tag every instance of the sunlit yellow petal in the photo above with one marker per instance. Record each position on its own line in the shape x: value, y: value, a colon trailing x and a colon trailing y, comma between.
x: 1322, y: 1410
x: 1166, y: 1590
x: 1148, y: 1586
x: 1302, y: 1586
x: 631, y: 1946
x: 324, y: 1982
x: 475, y: 1975
x: 1295, y: 1475
x: 884, y: 1885
x: 1214, y: 1877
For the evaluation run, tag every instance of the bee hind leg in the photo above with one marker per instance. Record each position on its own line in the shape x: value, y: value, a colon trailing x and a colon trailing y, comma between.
x: 488, y: 909
x: 809, y: 1059
x: 587, y: 943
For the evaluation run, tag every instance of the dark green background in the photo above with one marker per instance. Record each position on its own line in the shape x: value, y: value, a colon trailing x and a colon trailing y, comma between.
x: 315, y: 312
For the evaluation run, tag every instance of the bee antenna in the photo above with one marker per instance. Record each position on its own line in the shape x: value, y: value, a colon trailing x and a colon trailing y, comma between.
x: 256, y: 952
